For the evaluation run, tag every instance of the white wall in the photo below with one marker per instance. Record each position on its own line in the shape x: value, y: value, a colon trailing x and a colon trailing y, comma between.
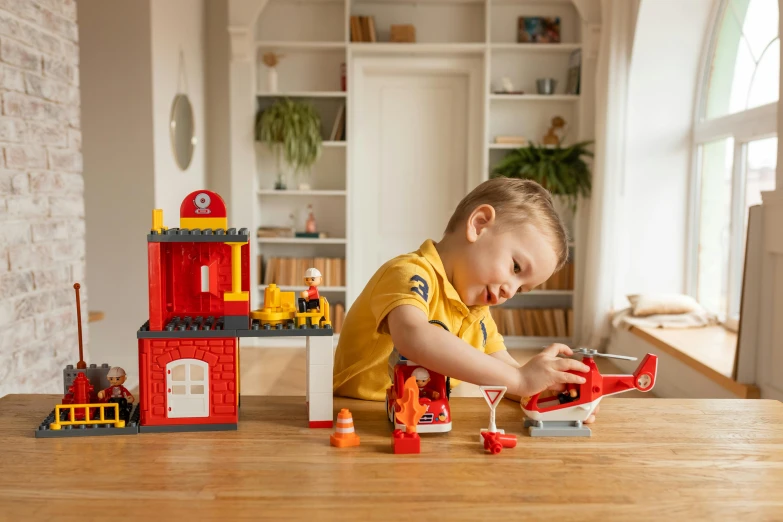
x: 129, y: 77
x: 177, y: 25
x: 117, y: 146
x: 662, y: 92
x: 218, y: 54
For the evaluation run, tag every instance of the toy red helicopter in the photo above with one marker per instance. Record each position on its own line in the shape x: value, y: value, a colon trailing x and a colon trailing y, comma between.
x: 563, y: 415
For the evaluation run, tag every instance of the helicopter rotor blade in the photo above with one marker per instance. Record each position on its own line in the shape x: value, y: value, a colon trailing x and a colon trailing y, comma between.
x: 595, y: 353
x: 613, y: 356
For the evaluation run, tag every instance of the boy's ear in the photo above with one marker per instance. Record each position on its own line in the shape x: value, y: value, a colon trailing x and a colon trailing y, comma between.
x: 479, y: 221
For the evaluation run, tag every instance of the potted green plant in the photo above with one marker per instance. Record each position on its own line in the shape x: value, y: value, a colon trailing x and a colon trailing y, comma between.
x: 561, y: 170
x: 292, y: 129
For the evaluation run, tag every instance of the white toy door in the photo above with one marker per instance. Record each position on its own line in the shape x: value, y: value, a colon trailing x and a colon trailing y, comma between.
x: 187, y: 388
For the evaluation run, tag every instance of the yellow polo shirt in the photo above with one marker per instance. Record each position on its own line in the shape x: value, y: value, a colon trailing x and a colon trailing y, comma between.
x: 417, y: 279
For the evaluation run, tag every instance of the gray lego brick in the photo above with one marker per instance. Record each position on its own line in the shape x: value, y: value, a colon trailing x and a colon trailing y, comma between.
x: 557, y: 429
x: 95, y: 374
x: 197, y: 235
x: 188, y: 328
x: 236, y: 322
x: 187, y: 334
x: 289, y: 330
x: 182, y: 428
x: 95, y: 430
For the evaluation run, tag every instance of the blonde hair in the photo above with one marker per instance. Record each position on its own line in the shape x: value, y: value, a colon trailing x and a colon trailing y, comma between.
x: 516, y: 202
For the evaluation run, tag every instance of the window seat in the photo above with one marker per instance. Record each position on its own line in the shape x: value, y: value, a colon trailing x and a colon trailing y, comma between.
x: 693, y: 362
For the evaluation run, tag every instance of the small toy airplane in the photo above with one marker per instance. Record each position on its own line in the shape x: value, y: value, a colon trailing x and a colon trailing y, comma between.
x: 563, y: 415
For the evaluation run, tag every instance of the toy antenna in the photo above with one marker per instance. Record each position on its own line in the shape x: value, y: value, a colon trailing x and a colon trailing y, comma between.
x: 81, y: 365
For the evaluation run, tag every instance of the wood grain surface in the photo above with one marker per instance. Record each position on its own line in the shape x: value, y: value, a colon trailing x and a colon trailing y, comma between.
x: 648, y: 459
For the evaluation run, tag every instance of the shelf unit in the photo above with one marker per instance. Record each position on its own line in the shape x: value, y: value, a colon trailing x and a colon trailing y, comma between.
x: 314, y: 37
x: 302, y: 241
x: 322, y: 289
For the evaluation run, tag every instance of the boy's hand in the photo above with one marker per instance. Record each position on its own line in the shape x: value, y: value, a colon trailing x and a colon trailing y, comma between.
x: 546, y: 371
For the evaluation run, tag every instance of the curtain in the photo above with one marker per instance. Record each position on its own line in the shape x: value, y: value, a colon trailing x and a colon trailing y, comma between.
x: 598, y: 217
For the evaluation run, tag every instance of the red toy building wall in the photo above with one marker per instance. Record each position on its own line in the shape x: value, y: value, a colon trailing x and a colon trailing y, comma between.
x: 175, y: 279
x: 219, y: 354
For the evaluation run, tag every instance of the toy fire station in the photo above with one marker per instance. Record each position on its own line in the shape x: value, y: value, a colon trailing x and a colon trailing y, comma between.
x: 199, y: 309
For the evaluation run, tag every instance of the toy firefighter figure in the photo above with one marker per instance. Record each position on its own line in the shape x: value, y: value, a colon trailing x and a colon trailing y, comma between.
x: 570, y: 394
x: 422, y: 377
x: 309, y: 299
x: 117, y: 393
x: 116, y: 378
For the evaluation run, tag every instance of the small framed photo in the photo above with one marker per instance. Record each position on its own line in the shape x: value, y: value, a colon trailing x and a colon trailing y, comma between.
x: 538, y: 29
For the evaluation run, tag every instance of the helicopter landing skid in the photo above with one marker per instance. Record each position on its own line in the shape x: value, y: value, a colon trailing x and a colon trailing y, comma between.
x: 557, y: 428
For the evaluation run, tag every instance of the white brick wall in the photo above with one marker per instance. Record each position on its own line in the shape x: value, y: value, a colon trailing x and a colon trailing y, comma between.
x: 41, y: 194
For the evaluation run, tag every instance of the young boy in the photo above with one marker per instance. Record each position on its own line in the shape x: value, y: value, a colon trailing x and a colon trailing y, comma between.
x: 433, y: 304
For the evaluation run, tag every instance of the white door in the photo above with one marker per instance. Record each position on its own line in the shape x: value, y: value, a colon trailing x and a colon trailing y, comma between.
x: 416, y: 148
x: 187, y: 388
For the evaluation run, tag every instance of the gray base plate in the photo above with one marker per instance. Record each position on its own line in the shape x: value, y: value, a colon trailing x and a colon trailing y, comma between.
x: 557, y: 429
x: 95, y: 430
x: 187, y: 427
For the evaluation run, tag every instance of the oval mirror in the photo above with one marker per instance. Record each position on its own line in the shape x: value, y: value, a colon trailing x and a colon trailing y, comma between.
x: 182, y: 130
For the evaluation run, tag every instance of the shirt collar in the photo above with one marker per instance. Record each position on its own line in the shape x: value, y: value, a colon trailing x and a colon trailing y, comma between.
x: 430, y: 253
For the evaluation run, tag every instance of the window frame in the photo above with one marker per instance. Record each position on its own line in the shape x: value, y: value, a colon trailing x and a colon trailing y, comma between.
x: 744, y: 126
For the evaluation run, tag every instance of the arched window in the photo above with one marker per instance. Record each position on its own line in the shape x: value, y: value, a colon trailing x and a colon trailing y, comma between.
x: 736, y: 148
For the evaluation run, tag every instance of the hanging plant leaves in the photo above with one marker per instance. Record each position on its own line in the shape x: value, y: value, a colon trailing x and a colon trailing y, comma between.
x: 295, y: 126
x: 561, y: 170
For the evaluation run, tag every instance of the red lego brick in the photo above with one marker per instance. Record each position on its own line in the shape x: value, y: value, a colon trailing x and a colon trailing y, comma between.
x: 216, y: 205
x: 156, y: 283
x: 321, y: 424
x: 405, y: 443
x: 236, y: 308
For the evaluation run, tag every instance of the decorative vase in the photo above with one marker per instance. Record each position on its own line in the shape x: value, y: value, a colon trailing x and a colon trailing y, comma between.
x: 310, y: 225
x: 280, y: 179
x: 303, y: 179
x: 271, y: 79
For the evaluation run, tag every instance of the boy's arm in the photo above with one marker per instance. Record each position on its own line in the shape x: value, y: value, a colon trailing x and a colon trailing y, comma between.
x: 434, y: 348
x: 503, y: 355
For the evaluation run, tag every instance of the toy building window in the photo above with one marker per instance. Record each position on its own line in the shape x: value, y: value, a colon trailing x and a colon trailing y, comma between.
x: 208, y: 278
x: 178, y: 389
x: 196, y: 374
x: 178, y: 372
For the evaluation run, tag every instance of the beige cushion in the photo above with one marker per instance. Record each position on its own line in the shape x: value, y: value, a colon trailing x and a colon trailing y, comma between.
x: 653, y: 304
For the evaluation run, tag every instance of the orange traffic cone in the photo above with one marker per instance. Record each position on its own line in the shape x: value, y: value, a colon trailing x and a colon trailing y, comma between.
x: 344, y: 436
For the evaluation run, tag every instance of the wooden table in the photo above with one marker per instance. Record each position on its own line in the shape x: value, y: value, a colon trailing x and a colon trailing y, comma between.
x: 647, y: 459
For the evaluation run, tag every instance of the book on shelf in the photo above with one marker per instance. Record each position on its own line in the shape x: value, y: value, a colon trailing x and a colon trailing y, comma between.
x: 511, y: 140
x: 312, y: 235
x: 275, y: 232
x: 338, y: 316
x: 563, y: 279
x: 338, y: 127
x: 356, y: 29
x: 574, y: 70
x: 534, y: 322
x: 289, y: 271
x: 363, y: 29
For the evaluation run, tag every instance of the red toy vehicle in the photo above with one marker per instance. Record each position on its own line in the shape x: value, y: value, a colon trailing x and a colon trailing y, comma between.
x: 563, y: 415
x: 433, y: 392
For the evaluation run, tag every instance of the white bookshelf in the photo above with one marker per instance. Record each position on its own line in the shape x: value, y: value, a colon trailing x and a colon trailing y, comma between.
x: 314, y: 37
x: 303, y: 94
x: 294, y: 193
x: 534, y: 97
x: 302, y: 241
x: 322, y: 289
